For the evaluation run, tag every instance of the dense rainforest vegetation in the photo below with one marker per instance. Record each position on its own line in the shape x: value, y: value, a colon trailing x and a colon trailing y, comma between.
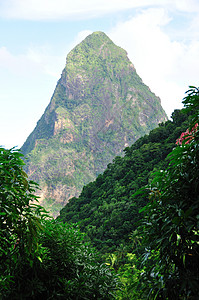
x: 141, y: 214
x: 107, y: 209
x: 170, y: 227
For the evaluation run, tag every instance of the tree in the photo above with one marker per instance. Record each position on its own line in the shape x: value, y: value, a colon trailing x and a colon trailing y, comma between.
x: 41, y: 257
x: 20, y: 220
x: 170, y: 228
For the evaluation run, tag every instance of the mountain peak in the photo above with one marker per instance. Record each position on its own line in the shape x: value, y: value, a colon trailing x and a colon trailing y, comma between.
x: 94, y: 45
x: 97, y: 37
x: 100, y: 34
x: 100, y: 106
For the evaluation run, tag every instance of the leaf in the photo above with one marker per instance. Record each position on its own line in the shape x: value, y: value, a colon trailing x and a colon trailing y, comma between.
x: 144, y: 208
x: 184, y: 257
x: 39, y: 258
x: 188, y: 212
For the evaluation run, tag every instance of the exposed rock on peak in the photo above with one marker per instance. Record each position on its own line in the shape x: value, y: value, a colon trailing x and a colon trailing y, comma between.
x: 99, y: 106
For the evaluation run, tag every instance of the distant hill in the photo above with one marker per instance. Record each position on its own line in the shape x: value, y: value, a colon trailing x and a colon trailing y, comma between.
x: 107, y: 209
x: 100, y: 106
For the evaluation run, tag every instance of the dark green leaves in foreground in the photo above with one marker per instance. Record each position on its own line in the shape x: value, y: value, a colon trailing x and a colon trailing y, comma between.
x: 170, y: 228
x: 20, y: 218
x: 39, y: 257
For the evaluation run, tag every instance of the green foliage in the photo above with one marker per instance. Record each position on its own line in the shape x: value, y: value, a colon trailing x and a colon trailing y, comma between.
x: 125, y: 264
x: 68, y: 269
x: 107, y: 209
x: 20, y: 221
x: 42, y: 258
x: 129, y: 277
x: 170, y: 228
x: 191, y: 104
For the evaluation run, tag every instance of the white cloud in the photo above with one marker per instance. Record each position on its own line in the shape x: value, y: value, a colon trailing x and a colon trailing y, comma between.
x: 59, y: 9
x: 50, y: 63
x: 167, y: 66
x: 186, y: 5
x: 18, y: 64
x: 37, y: 60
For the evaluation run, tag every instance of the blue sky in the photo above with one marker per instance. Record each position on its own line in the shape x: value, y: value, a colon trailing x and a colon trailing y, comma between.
x: 161, y: 38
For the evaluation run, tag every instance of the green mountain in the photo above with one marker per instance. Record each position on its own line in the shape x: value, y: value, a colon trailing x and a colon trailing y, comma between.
x: 100, y: 106
x: 107, y: 209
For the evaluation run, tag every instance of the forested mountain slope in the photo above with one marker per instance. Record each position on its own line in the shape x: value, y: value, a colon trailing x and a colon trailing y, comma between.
x: 100, y: 105
x: 107, y: 209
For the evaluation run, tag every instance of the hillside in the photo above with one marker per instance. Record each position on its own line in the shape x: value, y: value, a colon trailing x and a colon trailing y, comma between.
x: 100, y: 106
x: 107, y: 209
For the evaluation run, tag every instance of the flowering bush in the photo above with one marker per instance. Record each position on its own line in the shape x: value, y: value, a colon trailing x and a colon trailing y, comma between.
x: 169, y: 230
x: 187, y: 135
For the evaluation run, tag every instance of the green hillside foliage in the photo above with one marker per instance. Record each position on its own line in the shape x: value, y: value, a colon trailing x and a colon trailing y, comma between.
x: 170, y: 227
x: 107, y: 209
x: 39, y: 257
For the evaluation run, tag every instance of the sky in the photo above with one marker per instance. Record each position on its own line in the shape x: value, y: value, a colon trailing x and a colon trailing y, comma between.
x: 161, y: 38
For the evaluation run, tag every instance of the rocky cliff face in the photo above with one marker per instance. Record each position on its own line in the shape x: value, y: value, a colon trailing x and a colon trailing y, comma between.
x: 99, y: 106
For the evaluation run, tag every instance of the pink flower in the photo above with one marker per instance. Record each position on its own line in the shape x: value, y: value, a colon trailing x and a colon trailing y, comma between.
x: 187, y: 135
